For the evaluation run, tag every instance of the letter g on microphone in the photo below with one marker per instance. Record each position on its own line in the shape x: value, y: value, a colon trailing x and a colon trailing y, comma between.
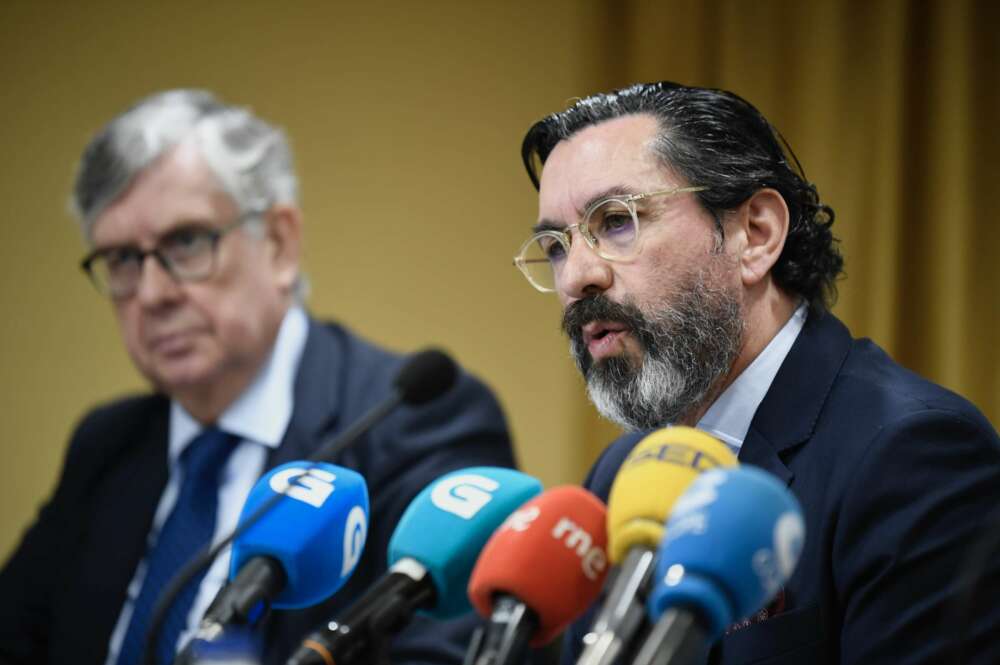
x: 463, y: 495
x: 316, y: 531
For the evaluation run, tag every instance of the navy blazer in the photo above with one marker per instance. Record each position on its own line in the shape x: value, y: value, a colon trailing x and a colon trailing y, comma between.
x: 62, y: 590
x: 895, y: 476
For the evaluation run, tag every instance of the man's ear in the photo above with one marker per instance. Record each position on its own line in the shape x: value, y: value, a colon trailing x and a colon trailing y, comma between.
x: 763, y: 223
x: 284, y: 236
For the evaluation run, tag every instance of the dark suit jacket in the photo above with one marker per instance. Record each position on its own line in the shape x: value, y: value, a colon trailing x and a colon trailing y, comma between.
x: 62, y: 590
x: 895, y: 476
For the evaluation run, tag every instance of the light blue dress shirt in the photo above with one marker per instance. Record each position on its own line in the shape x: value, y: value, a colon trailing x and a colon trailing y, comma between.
x: 728, y: 419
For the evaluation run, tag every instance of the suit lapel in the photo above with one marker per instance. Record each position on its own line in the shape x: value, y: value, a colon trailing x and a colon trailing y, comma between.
x: 787, y: 416
x: 317, y: 396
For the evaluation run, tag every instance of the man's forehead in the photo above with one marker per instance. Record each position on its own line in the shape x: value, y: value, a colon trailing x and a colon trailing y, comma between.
x: 178, y: 187
x: 614, y: 154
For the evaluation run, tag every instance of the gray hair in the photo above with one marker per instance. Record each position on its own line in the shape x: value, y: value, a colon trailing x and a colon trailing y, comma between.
x: 251, y: 158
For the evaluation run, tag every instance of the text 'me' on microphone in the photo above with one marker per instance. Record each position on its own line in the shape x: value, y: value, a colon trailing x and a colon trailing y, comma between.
x: 541, y: 569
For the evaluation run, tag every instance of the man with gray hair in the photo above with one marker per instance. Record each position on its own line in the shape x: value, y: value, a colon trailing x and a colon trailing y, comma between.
x: 190, y: 209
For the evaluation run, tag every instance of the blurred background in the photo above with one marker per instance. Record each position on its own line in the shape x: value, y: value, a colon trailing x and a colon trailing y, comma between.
x: 407, y: 118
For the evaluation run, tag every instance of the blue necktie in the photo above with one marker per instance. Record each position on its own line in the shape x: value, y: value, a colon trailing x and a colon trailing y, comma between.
x: 188, y: 529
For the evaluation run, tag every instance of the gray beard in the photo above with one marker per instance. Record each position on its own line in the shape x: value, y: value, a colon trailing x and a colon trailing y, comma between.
x: 689, y: 345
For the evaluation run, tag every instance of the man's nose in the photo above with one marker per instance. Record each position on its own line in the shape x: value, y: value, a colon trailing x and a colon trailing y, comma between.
x: 156, y: 284
x: 584, y: 273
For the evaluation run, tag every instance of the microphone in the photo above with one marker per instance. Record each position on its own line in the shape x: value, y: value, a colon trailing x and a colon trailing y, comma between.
x: 650, y: 480
x: 431, y: 555
x: 301, y: 552
x: 733, y: 540
x: 423, y: 377
x: 539, y: 571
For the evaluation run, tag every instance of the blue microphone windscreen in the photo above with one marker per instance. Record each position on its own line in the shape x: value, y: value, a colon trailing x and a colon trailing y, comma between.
x: 317, y: 531
x: 731, y: 542
x: 448, y: 523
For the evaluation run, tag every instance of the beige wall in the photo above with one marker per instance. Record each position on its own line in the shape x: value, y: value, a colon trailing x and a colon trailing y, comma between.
x: 407, y: 119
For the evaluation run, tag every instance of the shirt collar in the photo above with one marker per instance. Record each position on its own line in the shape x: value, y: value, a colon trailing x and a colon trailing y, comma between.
x: 728, y: 419
x: 262, y: 412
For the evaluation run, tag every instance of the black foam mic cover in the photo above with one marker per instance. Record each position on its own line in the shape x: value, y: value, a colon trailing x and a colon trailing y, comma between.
x: 425, y: 376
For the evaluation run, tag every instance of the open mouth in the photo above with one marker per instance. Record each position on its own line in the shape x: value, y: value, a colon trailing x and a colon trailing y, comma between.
x: 597, y: 331
x: 604, y: 338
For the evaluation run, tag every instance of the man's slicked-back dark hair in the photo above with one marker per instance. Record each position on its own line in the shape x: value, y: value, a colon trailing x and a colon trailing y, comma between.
x: 715, y: 139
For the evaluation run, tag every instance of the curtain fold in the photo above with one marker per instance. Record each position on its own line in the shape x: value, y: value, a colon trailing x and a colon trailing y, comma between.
x: 892, y: 109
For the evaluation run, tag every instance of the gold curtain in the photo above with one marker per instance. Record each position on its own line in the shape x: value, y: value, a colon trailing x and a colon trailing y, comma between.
x: 892, y: 108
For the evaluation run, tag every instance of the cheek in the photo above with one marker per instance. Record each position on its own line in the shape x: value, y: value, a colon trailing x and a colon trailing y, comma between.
x: 129, y: 319
x: 637, y: 280
x: 235, y: 317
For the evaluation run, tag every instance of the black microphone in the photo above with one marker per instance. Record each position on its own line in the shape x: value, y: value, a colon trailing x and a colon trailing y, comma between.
x: 424, y: 376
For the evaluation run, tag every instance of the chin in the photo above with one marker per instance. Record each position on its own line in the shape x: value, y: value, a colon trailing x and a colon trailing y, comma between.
x: 621, y: 357
x: 174, y: 377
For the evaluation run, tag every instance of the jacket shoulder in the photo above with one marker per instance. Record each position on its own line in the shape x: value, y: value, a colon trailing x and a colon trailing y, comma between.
x: 112, y: 425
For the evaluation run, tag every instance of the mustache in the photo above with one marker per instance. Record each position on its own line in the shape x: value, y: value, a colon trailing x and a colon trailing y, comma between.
x: 600, y: 308
x: 597, y: 308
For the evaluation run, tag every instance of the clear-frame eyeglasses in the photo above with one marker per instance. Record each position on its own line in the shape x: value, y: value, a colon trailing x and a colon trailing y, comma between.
x: 610, y: 227
x: 187, y: 253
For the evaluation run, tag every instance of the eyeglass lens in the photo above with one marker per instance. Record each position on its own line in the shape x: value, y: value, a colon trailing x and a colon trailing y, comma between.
x: 187, y: 253
x: 612, y: 226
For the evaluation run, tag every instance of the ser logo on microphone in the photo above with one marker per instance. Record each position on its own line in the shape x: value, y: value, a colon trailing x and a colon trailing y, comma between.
x: 312, y: 486
x: 464, y: 495
x: 593, y: 560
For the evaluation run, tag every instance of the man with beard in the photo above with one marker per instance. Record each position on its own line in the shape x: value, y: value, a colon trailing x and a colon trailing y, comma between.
x: 696, y: 268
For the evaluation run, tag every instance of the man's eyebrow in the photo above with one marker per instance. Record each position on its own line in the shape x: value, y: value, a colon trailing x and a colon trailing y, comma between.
x: 547, y: 225
x: 615, y: 190
x: 182, y: 224
x: 187, y: 224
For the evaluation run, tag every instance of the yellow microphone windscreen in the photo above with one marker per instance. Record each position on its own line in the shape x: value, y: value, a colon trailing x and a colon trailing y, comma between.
x: 651, y: 479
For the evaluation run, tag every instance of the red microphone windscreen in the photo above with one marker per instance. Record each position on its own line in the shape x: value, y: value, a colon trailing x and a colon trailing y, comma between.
x: 551, y: 554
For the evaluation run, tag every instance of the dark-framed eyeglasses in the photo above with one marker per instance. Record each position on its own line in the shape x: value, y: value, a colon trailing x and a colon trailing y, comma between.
x: 187, y: 253
x: 610, y: 227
